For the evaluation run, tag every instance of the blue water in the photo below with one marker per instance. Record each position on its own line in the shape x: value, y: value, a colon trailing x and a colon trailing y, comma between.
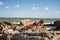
x: 33, y: 19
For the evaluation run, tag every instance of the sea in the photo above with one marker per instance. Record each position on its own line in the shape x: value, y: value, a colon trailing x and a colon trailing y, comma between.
x: 47, y: 20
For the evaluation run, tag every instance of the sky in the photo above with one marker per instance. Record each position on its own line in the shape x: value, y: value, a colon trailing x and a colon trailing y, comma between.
x: 30, y: 8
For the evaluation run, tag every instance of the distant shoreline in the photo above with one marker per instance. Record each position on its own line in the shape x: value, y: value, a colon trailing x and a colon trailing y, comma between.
x: 29, y: 17
x: 47, y: 20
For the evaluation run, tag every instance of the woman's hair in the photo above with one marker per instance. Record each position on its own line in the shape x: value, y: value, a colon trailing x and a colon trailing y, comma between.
x: 35, y: 23
x: 21, y: 23
x: 42, y: 21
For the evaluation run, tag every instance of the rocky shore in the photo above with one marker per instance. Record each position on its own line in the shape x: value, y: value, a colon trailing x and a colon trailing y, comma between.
x: 21, y: 31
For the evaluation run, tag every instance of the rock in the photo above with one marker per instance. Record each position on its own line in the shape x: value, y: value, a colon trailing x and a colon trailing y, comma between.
x: 3, y: 37
x: 7, y: 22
x: 26, y: 22
x: 29, y: 31
x: 1, y: 28
x: 57, y: 23
x: 17, y: 37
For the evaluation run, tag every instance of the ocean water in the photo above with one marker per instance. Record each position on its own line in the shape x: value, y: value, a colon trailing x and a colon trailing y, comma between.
x: 47, y: 20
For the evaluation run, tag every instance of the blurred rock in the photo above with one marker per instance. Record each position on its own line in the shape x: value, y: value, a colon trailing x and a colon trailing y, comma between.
x: 26, y: 22
x: 17, y: 37
x: 3, y: 36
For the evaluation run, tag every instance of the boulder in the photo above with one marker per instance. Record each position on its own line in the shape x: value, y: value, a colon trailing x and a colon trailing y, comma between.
x: 26, y: 22
x: 7, y: 22
x: 17, y: 37
x: 3, y: 36
x: 57, y: 23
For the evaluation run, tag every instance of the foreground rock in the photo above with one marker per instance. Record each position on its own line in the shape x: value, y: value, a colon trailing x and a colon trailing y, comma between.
x: 26, y: 22
x: 3, y: 36
x: 11, y: 31
x: 57, y: 23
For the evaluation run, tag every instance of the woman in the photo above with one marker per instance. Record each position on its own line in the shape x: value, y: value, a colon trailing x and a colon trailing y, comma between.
x: 32, y: 25
x: 41, y: 26
x: 41, y: 22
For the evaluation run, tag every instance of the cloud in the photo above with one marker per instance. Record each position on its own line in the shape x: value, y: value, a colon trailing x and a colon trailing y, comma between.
x: 17, y: 6
x: 46, y: 8
x: 1, y: 3
x: 7, y: 7
x: 57, y: 11
x: 35, y: 8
